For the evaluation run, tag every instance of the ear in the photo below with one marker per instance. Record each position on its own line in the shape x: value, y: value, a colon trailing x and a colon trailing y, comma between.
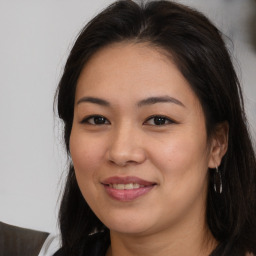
x: 219, y: 144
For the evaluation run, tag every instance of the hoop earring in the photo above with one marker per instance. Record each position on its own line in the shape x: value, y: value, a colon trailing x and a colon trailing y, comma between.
x: 217, y: 181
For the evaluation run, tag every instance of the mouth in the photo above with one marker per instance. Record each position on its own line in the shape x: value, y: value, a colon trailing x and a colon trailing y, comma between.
x: 127, y: 188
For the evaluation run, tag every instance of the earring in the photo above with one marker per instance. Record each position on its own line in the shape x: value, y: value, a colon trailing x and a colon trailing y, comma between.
x: 217, y: 181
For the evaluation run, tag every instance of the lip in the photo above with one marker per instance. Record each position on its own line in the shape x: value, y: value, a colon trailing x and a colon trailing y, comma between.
x: 125, y: 195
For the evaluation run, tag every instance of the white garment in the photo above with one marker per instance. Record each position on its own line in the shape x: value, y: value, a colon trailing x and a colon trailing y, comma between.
x: 51, y: 245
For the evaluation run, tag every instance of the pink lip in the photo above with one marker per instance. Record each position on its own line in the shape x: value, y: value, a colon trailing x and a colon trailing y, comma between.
x: 125, y: 195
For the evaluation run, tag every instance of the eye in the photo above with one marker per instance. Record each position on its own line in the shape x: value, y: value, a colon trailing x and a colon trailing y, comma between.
x: 95, y: 120
x: 158, y: 120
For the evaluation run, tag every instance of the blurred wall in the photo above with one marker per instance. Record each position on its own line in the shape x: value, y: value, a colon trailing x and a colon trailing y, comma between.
x: 36, y: 37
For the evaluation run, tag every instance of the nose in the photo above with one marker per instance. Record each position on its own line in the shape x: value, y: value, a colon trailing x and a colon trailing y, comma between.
x: 126, y: 147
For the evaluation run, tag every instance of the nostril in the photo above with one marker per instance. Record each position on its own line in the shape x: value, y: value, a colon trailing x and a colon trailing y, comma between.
x: 126, y: 156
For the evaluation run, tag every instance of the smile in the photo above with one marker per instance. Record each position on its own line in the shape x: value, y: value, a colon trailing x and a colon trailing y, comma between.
x: 126, y: 189
x: 126, y: 186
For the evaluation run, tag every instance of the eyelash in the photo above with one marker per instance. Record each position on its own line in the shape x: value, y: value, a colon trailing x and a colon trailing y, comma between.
x: 164, y: 118
x: 86, y: 120
x: 104, y: 121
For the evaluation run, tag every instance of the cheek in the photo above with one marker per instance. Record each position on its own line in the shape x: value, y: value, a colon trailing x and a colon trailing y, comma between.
x: 183, y: 164
x: 87, y: 155
x: 182, y: 160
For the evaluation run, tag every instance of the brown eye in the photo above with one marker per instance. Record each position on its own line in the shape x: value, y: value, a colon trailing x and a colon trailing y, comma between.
x: 96, y: 120
x: 158, y: 120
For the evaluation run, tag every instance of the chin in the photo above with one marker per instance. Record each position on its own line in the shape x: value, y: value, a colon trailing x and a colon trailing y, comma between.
x: 128, y: 225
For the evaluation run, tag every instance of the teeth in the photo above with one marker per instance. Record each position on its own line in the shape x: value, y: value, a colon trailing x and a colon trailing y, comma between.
x: 126, y: 186
x: 118, y: 186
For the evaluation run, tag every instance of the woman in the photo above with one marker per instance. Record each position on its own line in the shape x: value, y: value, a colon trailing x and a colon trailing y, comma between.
x: 161, y: 159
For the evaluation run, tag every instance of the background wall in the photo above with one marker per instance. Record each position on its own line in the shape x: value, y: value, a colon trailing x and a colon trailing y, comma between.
x: 36, y: 37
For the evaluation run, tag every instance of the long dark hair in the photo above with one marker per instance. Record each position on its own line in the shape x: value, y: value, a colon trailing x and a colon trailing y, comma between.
x: 197, y: 48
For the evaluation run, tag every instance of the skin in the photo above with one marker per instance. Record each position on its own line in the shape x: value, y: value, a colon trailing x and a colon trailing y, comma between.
x: 170, y: 218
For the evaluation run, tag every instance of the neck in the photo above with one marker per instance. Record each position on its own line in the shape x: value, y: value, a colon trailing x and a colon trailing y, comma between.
x: 195, y: 239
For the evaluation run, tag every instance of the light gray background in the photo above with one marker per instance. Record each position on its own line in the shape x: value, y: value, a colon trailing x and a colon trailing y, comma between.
x: 35, y: 38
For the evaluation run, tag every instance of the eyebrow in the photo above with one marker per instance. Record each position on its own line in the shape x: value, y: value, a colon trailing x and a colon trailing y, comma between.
x: 144, y: 102
x: 161, y: 99
x: 94, y: 100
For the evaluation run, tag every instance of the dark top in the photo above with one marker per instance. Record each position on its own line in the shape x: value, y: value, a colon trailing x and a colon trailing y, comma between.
x: 98, y: 243
x: 95, y: 245
x: 16, y: 241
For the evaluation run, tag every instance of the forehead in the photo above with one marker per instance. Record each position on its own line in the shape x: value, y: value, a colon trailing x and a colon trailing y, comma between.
x: 134, y: 71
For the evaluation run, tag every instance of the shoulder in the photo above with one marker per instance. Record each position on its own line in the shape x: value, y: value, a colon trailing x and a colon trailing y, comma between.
x: 20, y: 241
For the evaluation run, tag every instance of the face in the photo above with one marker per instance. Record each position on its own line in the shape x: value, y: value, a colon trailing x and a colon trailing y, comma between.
x: 138, y: 141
